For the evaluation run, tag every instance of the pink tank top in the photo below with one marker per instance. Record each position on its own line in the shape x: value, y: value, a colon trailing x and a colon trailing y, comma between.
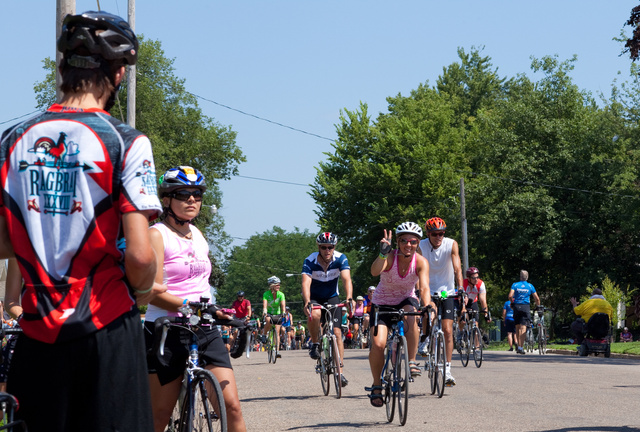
x: 187, y: 267
x: 393, y: 288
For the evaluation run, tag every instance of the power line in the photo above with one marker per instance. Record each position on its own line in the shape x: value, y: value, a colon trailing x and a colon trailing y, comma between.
x: 19, y: 117
x: 260, y: 118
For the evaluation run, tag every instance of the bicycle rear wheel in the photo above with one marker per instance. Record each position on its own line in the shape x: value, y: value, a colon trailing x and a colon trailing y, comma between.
x: 542, y: 341
x: 464, y: 347
x: 402, y: 378
x: 430, y: 364
x: 440, y: 364
x: 477, y: 346
x: 206, y: 412
x: 335, y: 366
x: 323, y: 366
x: 389, y: 396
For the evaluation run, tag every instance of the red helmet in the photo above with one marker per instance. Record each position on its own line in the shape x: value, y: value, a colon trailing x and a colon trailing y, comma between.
x: 435, y: 224
x: 472, y: 270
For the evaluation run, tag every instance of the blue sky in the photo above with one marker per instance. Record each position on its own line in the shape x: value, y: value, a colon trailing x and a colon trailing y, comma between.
x: 299, y: 63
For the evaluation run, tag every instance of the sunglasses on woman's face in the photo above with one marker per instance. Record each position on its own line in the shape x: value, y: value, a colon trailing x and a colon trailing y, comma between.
x: 412, y: 242
x: 184, y: 195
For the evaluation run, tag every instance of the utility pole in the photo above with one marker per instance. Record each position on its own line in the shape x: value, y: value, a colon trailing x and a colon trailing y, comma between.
x: 63, y: 8
x: 131, y: 73
x: 465, y: 243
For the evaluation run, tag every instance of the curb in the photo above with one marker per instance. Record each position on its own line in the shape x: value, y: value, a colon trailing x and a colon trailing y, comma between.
x: 575, y: 352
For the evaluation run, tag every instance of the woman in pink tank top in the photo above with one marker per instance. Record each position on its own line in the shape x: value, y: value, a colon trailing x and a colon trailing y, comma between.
x: 401, y: 270
x: 184, y: 266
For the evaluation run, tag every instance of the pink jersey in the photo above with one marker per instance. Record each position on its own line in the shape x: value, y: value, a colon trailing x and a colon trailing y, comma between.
x: 187, y: 267
x: 393, y: 288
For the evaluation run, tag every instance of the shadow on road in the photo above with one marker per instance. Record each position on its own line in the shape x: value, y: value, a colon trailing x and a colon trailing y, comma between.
x: 595, y: 429
x: 534, y: 357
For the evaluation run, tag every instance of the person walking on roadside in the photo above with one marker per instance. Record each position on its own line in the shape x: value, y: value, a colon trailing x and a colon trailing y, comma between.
x: 509, y: 324
x: 520, y: 298
x: 76, y: 181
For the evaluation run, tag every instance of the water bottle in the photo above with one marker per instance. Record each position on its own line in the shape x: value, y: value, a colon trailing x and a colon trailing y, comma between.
x: 443, y: 294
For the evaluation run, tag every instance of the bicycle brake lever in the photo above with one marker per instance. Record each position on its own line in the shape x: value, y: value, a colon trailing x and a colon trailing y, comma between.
x: 165, y: 331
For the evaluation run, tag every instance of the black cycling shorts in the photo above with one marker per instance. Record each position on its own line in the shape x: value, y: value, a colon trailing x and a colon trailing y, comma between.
x: 385, y: 319
x: 522, y: 314
x: 337, y: 312
x: 448, y: 306
x: 212, y: 351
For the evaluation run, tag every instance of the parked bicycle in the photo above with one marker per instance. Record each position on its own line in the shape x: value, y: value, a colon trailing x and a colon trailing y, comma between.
x: 529, y: 339
x: 329, y: 362
x: 541, y: 334
x: 200, y: 406
x: 395, y: 376
x: 8, y: 403
x: 436, y: 357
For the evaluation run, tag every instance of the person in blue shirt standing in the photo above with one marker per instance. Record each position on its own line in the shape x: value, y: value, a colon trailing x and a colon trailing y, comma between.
x: 509, y: 323
x: 520, y: 298
x: 321, y: 272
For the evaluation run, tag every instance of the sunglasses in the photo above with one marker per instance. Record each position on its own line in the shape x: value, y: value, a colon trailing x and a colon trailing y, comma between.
x: 437, y: 234
x: 184, y: 195
x: 412, y: 242
x: 327, y: 247
x: 473, y: 277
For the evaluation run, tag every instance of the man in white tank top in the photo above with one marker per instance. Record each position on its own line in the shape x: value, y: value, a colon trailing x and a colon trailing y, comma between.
x: 445, y: 274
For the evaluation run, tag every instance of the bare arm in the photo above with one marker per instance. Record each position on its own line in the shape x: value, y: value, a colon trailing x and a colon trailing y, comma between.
x: 511, y: 295
x: 306, y: 292
x: 536, y: 298
x: 13, y: 289
x: 6, y: 248
x: 455, y: 260
x: 422, y: 269
x: 140, y: 259
x: 345, y: 275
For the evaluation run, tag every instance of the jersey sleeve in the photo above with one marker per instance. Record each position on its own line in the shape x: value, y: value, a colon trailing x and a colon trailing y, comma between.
x: 344, y: 263
x: 306, y: 267
x: 139, y: 185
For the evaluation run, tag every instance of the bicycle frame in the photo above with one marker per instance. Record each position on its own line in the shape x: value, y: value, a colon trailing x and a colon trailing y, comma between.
x: 436, y: 358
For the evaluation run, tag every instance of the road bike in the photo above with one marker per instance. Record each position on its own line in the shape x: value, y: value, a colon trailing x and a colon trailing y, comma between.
x: 541, y: 336
x: 329, y: 362
x: 436, y: 356
x: 529, y: 339
x: 271, y: 345
x: 8, y: 403
x: 395, y: 376
x: 200, y: 406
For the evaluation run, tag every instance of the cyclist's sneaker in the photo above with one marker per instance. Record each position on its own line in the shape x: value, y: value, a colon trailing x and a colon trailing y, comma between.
x: 520, y: 350
x: 510, y: 348
x: 278, y: 356
x: 423, y: 347
x: 449, y: 380
x: 314, y: 352
x: 343, y: 380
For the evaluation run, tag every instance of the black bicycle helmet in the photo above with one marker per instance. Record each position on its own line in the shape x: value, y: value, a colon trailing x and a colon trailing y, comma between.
x: 181, y: 177
x: 97, y: 34
x: 240, y: 294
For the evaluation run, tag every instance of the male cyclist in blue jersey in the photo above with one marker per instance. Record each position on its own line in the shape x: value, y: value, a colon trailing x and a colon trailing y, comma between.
x: 520, y: 295
x: 321, y: 272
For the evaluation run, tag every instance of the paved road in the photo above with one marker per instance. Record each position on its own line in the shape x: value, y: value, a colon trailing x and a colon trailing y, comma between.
x: 509, y: 392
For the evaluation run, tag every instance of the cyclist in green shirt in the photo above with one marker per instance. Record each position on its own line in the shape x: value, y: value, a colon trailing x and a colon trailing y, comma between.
x: 273, y: 308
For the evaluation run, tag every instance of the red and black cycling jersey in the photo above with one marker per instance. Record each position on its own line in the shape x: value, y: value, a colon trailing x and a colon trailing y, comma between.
x: 67, y: 177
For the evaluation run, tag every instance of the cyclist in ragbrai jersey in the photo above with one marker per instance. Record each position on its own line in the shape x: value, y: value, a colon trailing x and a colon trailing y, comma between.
x: 74, y: 181
x: 520, y: 295
x: 321, y: 272
x: 273, y: 309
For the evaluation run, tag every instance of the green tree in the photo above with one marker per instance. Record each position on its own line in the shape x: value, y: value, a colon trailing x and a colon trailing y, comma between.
x: 179, y: 132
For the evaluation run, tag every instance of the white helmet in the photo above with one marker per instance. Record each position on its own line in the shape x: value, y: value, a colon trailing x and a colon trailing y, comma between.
x: 273, y: 280
x: 409, y: 228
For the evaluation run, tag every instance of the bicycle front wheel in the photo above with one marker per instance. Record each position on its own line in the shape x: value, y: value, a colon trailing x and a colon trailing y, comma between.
x: 440, y: 364
x: 249, y: 343
x: 335, y: 366
x: 174, y: 420
x: 270, y: 343
x: 204, y: 410
x: 402, y: 378
x: 477, y: 346
x: 464, y: 347
x: 431, y: 363
x: 322, y: 366
x: 389, y: 396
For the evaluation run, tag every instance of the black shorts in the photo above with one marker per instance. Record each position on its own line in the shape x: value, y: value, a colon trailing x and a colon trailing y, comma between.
x: 7, y: 354
x: 387, y: 320
x: 275, y: 319
x: 97, y: 382
x: 356, y: 320
x: 470, y: 305
x: 211, y: 348
x: 448, y: 305
x: 522, y: 314
x: 509, y: 326
x: 337, y: 312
